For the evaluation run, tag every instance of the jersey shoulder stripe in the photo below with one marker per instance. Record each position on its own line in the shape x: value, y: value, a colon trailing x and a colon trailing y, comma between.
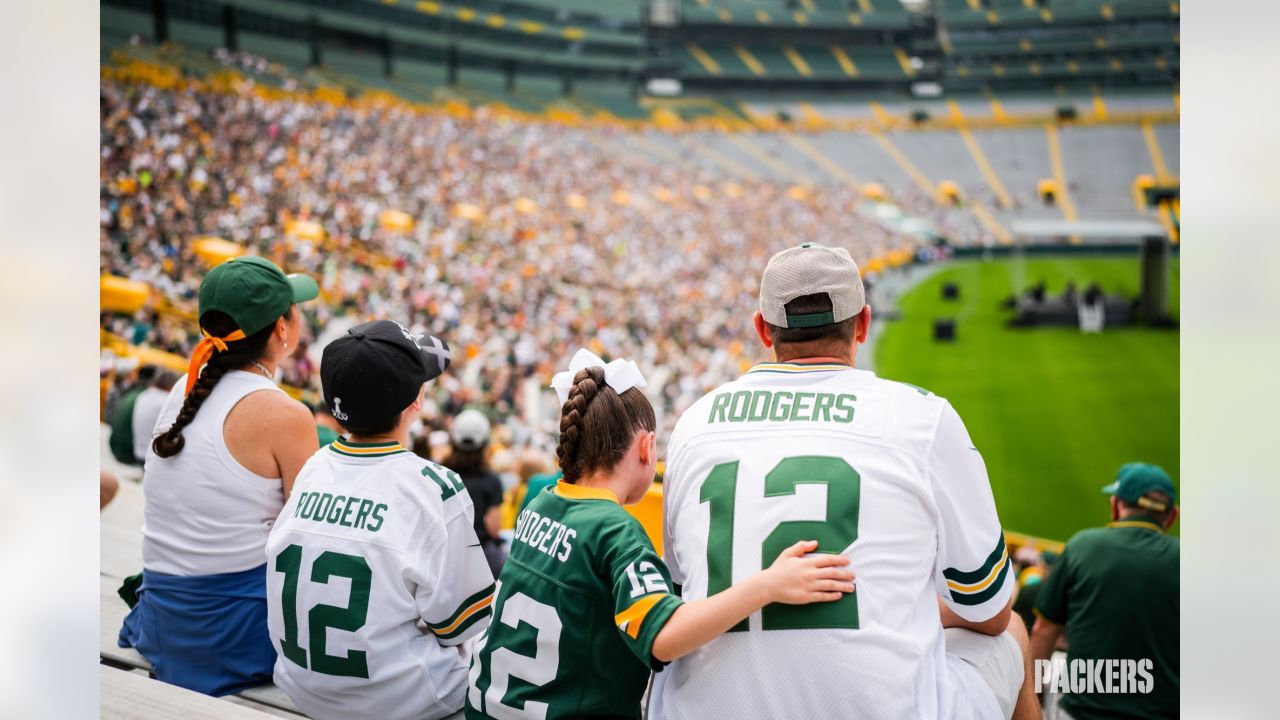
x: 630, y: 620
x: 469, y: 612
x: 975, y: 587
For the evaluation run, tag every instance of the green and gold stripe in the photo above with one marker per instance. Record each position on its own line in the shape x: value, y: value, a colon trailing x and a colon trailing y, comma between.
x: 1137, y: 522
x: 469, y: 612
x: 354, y: 449
x: 630, y: 620
x: 791, y: 368
x: 975, y: 587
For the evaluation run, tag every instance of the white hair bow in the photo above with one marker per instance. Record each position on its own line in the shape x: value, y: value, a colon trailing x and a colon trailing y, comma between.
x: 621, y: 375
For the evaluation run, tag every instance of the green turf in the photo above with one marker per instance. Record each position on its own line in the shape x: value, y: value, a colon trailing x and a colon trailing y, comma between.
x: 1054, y: 412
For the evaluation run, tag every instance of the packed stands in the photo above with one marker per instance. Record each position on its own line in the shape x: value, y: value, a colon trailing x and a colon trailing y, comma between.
x: 309, y: 183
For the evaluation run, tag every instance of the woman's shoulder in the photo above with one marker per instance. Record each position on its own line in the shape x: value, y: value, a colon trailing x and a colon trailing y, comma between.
x: 271, y: 416
x: 281, y: 407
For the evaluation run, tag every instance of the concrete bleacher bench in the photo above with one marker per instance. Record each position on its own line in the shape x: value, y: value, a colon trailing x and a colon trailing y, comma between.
x: 129, y: 695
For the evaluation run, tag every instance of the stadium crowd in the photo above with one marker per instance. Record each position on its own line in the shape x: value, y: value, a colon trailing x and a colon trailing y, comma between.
x: 510, y: 257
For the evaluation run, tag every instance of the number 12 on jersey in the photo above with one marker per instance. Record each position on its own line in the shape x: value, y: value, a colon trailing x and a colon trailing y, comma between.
x: 834, y: 534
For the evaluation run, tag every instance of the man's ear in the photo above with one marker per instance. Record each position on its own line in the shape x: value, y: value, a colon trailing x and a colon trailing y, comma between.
x: 762, y: 330
x: 862, y: 324
x: 1115, y: 509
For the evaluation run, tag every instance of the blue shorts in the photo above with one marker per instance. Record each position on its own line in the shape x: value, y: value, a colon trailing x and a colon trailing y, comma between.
x: 205, y: 633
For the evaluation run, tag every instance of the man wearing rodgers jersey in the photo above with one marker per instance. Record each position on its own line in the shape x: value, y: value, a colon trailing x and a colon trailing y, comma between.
x: 584, y: 606
x: 374, y: 543
x: 880, y: 472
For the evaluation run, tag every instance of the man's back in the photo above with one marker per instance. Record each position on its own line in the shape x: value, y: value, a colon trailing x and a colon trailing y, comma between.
x: 879, y: 471
x: 1116, y: 589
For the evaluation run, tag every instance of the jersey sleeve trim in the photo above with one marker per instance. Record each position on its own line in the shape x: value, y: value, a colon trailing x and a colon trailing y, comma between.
x: 1038, y: 613
x: 630, y: 620
x: 471, y: 611
x: 975, y: 587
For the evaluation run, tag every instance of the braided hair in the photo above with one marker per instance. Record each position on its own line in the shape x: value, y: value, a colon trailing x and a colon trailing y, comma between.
x: 238, y: 354
x: 597, y: 424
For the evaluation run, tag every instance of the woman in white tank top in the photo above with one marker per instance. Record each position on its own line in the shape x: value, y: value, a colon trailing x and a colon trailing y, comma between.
x: 214, y: 481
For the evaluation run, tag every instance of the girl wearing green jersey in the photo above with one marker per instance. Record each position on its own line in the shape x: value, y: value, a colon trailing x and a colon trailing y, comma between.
x: 585, y: 607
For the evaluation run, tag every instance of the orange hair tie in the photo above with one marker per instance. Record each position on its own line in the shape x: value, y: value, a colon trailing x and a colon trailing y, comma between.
x: 204, y: 350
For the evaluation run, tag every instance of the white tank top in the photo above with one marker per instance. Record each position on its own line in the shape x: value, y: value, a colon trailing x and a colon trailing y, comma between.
x: 205, y: 513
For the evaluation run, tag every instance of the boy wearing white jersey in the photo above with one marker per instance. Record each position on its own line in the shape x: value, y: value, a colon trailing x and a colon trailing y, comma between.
x: 374, y: 544
x: 882, y: 472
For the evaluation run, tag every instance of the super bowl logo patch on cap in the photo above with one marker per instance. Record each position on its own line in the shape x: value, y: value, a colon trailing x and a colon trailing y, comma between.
x: 337, y: 410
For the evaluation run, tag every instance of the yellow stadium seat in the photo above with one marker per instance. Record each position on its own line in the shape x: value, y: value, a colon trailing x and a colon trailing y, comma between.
x: 215, y: 250
x: 395, y: 221
x: 123, y: 295
x: 305, y: 230
x: 649, y: 512
x: 467, y: 211
x: 950, y: 191
x: 1047, y: 191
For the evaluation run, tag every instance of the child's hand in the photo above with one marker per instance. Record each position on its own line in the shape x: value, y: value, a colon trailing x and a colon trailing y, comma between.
x: 794, y: 579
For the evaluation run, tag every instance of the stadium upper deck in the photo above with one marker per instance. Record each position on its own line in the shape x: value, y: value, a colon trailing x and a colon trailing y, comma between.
x: 607, y: 52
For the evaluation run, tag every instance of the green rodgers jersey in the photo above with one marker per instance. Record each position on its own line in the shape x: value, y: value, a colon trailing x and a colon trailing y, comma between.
x: 577, y: 608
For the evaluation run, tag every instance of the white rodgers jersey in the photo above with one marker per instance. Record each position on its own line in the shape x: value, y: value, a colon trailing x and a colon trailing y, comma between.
x: 879, y: 471
x: 372, y: 541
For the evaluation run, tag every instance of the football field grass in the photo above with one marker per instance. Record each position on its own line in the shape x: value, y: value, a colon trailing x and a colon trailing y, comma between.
x: 1054, y: 412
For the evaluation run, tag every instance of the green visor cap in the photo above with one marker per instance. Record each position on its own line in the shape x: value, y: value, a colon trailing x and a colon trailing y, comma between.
x: 1137, y: 479
x: 253, y: 291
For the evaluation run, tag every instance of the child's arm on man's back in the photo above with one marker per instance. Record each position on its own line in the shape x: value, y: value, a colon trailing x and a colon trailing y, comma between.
x: 793, y: 579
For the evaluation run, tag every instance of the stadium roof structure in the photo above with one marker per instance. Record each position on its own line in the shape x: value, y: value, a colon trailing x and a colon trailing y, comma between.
x: 606, y: 52
x: 1118, y: 231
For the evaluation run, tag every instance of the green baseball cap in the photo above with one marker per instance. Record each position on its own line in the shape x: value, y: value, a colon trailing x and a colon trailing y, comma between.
x: 1136, y: 480
x: 253, y: 291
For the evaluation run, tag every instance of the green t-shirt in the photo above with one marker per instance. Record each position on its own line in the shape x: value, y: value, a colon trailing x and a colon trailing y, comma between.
x: 1116, y: 590
x: 121, y: 440
x: 325, y: 435
x: 578, y: 605
x: 538, y: 483
x: 1025, y: 605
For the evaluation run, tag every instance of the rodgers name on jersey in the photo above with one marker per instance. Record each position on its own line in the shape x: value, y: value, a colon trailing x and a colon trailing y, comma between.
x: 345, y: 510
x: 545, y: 534
x: 781, y: 406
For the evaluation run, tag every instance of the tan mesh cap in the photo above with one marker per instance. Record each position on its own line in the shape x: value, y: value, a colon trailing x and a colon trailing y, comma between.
x: 807, y: 270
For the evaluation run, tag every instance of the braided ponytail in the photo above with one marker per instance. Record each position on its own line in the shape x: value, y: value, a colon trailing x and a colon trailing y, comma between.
x: 586, y: 384
x: 597, y: 425
x: 238, y: 354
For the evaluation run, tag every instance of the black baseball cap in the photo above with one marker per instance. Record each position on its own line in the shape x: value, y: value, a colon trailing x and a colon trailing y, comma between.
x: 376, y: 371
